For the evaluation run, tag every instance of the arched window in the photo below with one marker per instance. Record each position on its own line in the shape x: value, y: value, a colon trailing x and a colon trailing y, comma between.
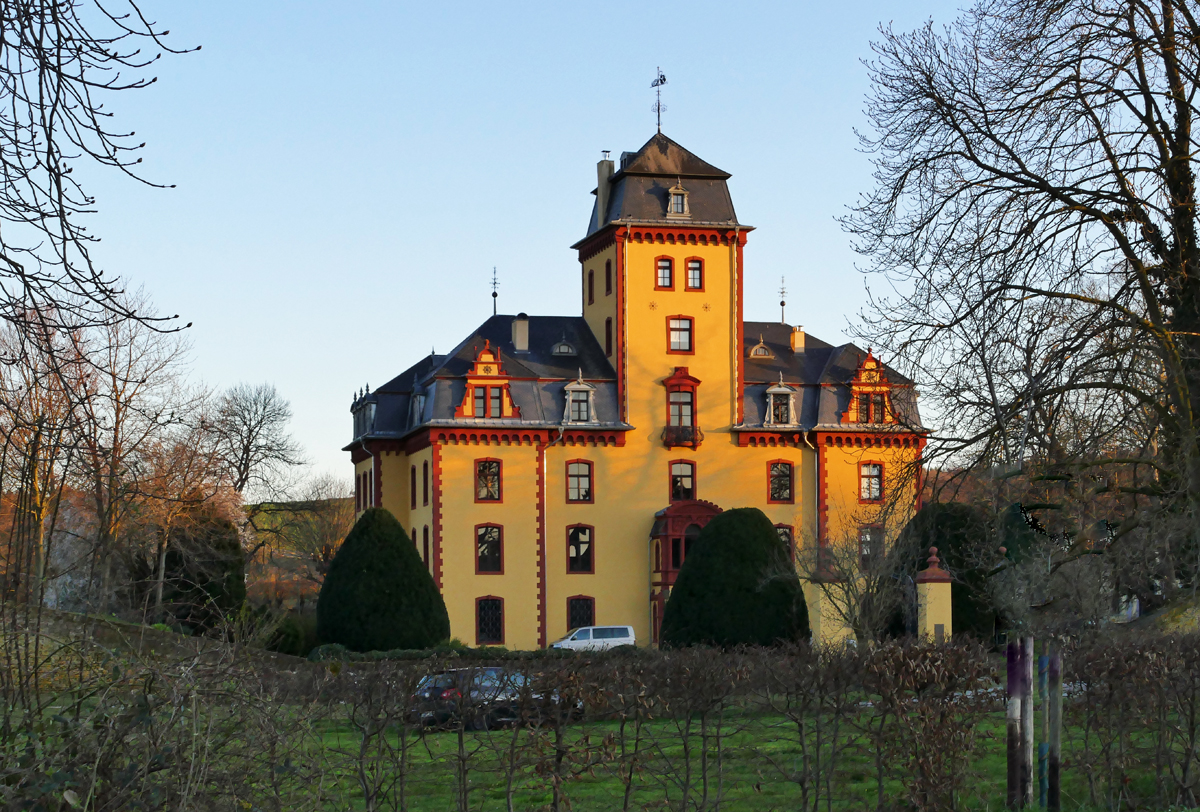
x: 664, y: 270
x: 425, y: 481
x: 489, y: 549
x: 580, y: 549
x: 591, y: 287
x: 608, y: 277
x: 581, y: 611
x: 870, y: 482
x: 780, y: 482
x: 489, y: 621
x: 487, y: 481
x: 425, y: 546
x: 695, y: 274
x: 683, y: 480
x: 579, y: 481
x: 412, y: 482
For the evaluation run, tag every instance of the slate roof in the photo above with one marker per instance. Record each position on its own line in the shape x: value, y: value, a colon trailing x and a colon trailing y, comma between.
x: 638, y: 190
x: 536, y: 379
x: 821, y: 374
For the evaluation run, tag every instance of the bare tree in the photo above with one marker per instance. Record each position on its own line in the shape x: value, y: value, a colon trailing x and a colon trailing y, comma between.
x: 254, y: 445
x: 1034, y: 217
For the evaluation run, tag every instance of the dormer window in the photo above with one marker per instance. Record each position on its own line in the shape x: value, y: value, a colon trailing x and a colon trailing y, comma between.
x: 563, y: 348
x: 761, y: 350
x: 677, y: 202
x: 781, y: 405
x: 580, y: 406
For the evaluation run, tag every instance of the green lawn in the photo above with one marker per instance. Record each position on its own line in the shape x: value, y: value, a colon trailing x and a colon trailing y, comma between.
x: 759, y: 758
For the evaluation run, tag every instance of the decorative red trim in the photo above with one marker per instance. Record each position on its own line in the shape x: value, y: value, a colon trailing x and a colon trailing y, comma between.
x: 822, y: 486
x: 499, y: 481
x: 478, y: 640
x: 621, y: 235
x: 475, y: 541
x: 687, y: 275
x: 591, y: 483
x: 580, y: 598
x: 695, y: 481
x: 791, y: 438
x: 739, y: 404
x: 664, y: 287
x: 691, y: 335
x: 866, y: 439
x: 540, y: 478
x: 437, y: 515
x: 791, y: 487
x: 682, y: 235
x: 492, y: 436
x: 377, y: 482
x: 882, y: 482
x: 570, y: 571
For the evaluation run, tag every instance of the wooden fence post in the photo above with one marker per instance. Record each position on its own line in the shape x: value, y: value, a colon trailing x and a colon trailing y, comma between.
x: 1027, y: 734
x: 1012, y: 723
x: 1044, y: 732
x: 1054, y: 712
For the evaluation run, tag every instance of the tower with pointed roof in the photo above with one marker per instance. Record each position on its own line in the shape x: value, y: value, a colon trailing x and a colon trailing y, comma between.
x: 555, y: 471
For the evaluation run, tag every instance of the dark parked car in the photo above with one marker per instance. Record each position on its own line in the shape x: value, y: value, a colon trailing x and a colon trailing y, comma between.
x: 481, y: 698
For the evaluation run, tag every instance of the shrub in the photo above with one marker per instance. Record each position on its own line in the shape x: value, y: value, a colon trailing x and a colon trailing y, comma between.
x: 205, y: 573
x: 378, y: 594
x: 738, y: 585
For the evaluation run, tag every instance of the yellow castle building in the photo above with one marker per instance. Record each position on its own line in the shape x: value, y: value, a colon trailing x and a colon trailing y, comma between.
x: 554, y: 470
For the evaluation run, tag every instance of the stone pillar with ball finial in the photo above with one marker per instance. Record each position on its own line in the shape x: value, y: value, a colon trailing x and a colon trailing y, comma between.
x: 934, y: 612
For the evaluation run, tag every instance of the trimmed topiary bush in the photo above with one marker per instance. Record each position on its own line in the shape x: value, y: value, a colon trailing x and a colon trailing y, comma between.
x: 738, y: 585
x: 377, y: 594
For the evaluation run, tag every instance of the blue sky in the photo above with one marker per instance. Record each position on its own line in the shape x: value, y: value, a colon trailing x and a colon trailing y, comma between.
x: 347, y: 174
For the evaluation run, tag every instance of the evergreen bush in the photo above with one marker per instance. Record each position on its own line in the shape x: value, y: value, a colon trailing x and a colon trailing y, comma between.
x: 962, y: 534
x: 205, y: 573
x: 738, y: 585
x: 378, y: 595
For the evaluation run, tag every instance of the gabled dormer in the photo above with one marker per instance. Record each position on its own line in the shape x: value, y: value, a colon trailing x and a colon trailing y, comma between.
x: 870, y: 395
x: 580, y: 396
x: 781, y: 405
x: 487, y: 396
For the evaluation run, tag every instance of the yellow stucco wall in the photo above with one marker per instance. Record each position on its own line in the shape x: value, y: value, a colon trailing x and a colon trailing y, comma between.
x: 934, y: 609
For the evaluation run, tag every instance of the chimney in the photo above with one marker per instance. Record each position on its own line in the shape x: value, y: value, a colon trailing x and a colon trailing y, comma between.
x: 604, y: 172
x: 520, y: 333
x: 798, y: 339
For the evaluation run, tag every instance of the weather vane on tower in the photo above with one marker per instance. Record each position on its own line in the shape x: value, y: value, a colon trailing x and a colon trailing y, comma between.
x: 782, y: 300
x: 658, y: 105
x: 495, y: 284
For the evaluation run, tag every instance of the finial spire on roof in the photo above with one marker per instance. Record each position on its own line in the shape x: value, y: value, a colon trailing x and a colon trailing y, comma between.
x: 782, y: 300
x: 658, y: 107
x: 495, y: 284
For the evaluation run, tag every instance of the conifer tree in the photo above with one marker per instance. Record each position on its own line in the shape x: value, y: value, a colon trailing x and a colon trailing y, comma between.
x: 738, y: 585
x: 378, y: 595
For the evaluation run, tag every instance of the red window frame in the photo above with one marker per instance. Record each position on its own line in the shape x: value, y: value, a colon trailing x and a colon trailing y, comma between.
x: 592, y: 559
x: 671, y: 479
x: 479, y: 641
x: 591, y: 482
x: 499, y: 481
x: 608, y: 337
x: 882, y: 480
x: 791, y: 482
x: 413, y: 486
x: 608, y: 277
x: 691, y: 331
x: 658, y: 286
x: 425, y: 482
x: 687, y: 274
x: 587, y: 598
x: 475, y: 541
x: 791, y: 535
x: 591, y: 287
x: 878, y: 540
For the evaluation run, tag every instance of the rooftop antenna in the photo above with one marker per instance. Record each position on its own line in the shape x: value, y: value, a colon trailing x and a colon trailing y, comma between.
x: 658, y: 107
x: 495, y: 284
x: 782, y: 300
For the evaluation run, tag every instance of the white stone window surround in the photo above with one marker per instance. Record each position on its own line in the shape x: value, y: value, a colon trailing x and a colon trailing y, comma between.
x: 780, y: 390
x: 580, y: 386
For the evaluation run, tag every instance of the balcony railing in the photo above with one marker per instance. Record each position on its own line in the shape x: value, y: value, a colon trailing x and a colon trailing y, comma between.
x: 689, y: 436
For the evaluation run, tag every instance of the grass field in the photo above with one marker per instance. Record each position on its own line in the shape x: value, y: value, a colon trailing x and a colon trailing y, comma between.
x: 757, y: 768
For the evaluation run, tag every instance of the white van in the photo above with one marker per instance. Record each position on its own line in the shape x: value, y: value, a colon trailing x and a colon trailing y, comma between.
x: 597, y: 638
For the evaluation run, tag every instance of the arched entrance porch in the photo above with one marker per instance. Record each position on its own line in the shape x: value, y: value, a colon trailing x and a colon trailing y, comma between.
x: 675, y: 530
